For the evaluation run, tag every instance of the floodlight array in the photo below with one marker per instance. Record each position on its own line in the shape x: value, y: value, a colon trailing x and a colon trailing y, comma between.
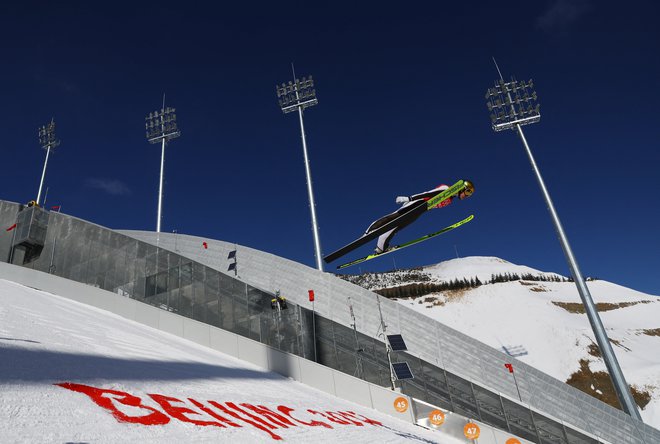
x: 47, y: 137
x: 161, y: 125
x: 512, y: 103
x: 296, y: 94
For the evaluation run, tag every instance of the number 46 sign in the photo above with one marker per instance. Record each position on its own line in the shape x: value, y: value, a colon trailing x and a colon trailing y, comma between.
x: 437, y: 417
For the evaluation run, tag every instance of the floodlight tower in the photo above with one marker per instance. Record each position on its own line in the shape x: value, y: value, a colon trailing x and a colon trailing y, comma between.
x: 512, y: 105
x: 298, y: 95
x: 48, y: 141
x: 161, y: 127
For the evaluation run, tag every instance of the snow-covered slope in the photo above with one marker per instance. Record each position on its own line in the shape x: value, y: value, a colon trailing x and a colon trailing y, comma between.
x: 73, y: 373
x: 481, y: 267
x: 538, y: 317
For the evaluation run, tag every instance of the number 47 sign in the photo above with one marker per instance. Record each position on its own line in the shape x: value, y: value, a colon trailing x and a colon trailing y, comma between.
x: 471, y: 430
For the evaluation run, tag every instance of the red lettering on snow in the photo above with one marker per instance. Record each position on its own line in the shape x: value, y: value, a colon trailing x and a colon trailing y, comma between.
x: 180, y: 412
x: 329, y: 417
x: 270, y: 415
x: 99, y: 397
x: 348, y: 418
x: 233, y: 414
x: 210, y: 412
x: 258, y: 416
x: 264, y: 422
x: 363, y: 418
x: 337, y: 417
x: 287, y: 411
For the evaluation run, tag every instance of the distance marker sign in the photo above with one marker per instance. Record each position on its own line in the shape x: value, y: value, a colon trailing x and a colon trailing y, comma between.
x: 471, y: 430
x: 437, y: 417
x: 401, y: 404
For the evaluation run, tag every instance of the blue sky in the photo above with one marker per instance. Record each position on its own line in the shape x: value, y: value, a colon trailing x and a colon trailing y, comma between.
x: 401, y: 110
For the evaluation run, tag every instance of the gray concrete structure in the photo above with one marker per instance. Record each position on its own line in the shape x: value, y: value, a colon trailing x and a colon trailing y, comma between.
x: 288, y: 365
x: 430, y: 340
x: 189, y: 275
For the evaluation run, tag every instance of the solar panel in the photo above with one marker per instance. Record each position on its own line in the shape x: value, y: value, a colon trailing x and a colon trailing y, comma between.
x: 402, y: 370
x: 396, y: 342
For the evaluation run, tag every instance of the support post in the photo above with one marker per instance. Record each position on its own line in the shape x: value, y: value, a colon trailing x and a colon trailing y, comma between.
x: 513, y: 104
x: 296, y: 96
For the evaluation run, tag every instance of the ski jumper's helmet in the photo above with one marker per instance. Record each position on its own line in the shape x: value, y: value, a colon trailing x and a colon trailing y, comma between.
x: 469, y: 188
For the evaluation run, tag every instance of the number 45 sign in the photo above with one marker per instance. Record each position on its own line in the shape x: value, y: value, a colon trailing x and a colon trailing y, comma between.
x: 401, y: 404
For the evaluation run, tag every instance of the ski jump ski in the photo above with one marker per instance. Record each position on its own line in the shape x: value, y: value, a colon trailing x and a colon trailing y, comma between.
x: 407, y: 244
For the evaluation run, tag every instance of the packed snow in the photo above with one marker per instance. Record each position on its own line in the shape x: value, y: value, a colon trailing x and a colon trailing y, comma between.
x: 522, y: 315
x: 74, y: 373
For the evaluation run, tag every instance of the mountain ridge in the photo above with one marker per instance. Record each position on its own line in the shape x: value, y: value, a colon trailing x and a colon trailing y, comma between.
x: 539, y: 315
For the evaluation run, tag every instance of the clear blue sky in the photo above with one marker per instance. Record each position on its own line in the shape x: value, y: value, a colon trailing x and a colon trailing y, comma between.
x: 401, y: 109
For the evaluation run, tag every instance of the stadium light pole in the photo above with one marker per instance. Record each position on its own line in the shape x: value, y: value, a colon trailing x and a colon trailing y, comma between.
x: 298, y: 95
x: 48, y: 141
x: 388, y: 349
x: 512, y: 105
x: 161, y: 127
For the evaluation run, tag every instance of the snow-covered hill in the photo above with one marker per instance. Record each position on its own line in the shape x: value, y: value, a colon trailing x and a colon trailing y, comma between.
x: 539, y: 313
x: 73, y: 373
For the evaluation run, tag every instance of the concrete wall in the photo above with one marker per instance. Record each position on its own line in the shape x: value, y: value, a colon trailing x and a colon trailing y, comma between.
x: 307, y: 372
x: 457, y: 353
x: 450, y: 349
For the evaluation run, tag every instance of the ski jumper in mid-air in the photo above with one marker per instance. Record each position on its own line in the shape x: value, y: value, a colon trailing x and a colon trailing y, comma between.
x: 408, y: 204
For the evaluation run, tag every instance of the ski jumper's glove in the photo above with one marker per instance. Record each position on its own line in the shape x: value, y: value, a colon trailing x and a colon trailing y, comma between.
x: 402, y: 199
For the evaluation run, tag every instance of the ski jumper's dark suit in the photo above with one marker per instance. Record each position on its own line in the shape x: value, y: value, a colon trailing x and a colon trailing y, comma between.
x: 385, y: 238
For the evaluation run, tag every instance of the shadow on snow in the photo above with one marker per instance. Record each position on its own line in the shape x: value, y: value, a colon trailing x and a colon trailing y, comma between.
x: 19, y: 365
